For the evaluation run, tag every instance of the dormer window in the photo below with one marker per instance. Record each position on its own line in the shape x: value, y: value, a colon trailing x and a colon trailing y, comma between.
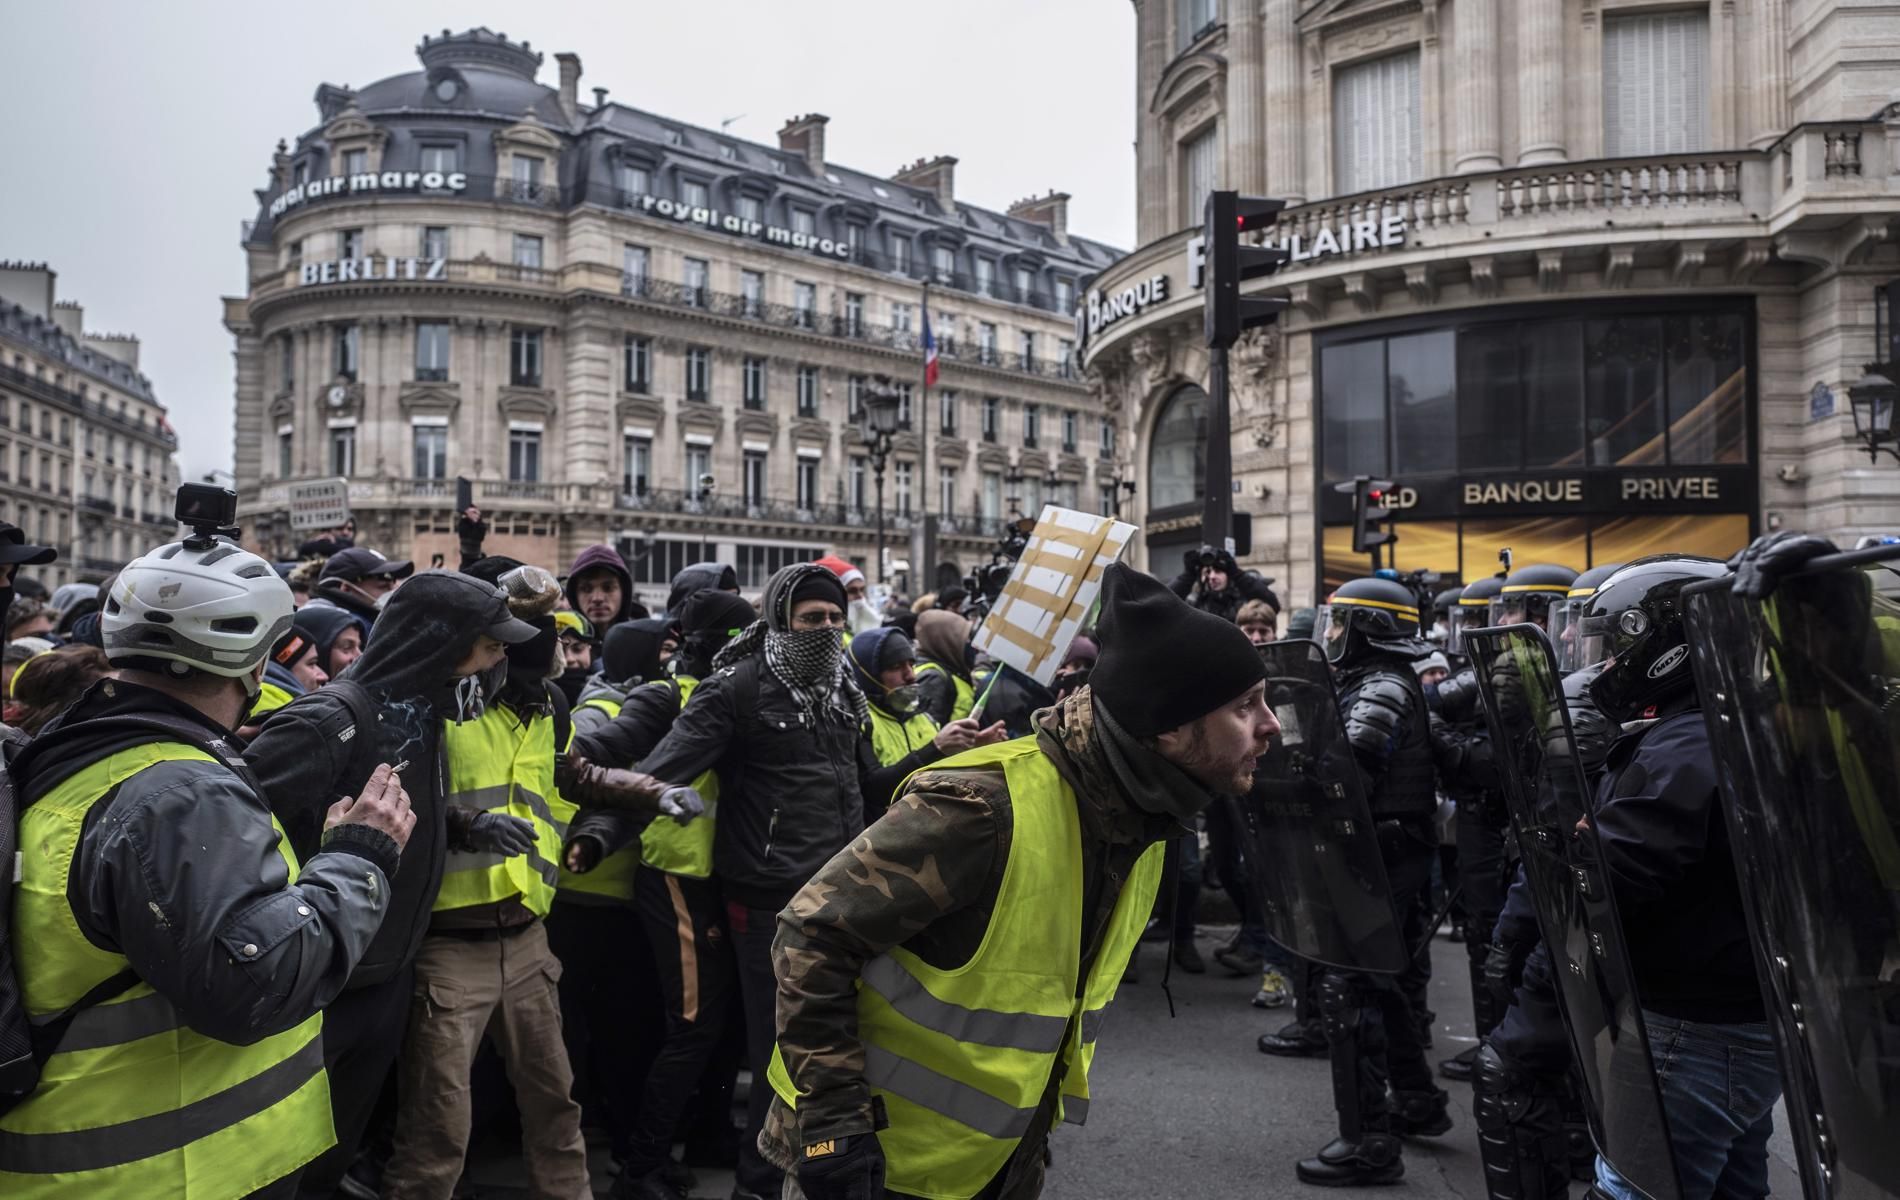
x: 447, y: 89
x: 355, y: 162
x: 728, y: 153
x: 693, y: 193
x: 751, y: 208
x: 674, y: 137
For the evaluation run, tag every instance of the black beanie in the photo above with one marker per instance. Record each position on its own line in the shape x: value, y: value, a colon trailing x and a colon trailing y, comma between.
x: 712, y: 611
x: 1165, y: 663
x: 818, y: 586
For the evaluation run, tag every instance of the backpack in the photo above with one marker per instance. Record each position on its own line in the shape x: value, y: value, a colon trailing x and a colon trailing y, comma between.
x: 25, y: 1045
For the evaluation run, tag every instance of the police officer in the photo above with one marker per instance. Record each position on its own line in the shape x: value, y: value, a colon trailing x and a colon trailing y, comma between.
x: 181, y: 1003
x: 1370, y: 629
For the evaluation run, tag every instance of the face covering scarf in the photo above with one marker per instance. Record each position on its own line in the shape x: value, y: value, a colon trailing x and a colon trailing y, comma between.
x: 810, y: 663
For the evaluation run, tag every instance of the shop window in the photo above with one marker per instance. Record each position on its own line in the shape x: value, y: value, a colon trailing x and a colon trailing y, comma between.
x: 1623, y: 371
x: 1655, y: 83
x: 1551, y: 361
x: 1375, y: 123
x: 1177, y: 454
x: 1625, y: 539
x: 1706, y: 377
x: 1422, y: 394
x: 1352, y: 402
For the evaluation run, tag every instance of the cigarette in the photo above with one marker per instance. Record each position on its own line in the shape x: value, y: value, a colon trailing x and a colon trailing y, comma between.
x: 400, y: 767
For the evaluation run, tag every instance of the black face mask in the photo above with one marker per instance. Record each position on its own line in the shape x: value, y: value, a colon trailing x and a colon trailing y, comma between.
x: 571, y: 681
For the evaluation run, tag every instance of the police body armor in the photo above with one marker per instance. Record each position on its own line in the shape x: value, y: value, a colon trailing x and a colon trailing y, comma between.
x: 1802, y: 701
x: 1547, y: 795
x: 1385, y: 706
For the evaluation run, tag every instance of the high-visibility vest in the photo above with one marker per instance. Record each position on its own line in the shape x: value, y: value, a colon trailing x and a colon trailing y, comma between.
x: 961, y: 1058
x: 502, y: 764
x: 270, y: 698
x: 892, y: 739
x: 611, y: 880
x: 134, y: 1102
x: 966, y: 695
x: 665, y: 844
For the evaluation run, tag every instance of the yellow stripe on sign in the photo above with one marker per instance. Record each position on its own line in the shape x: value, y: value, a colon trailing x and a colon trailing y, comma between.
x: 1556, y: 588
x: 1386, y: 604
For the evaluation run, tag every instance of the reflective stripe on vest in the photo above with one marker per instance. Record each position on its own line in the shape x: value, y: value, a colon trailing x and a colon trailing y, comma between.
x: 893, y: 740
x: 270, y: 698
x: 961, y: 1058
x: 611, y: 880
x: 134, y: 1102
x: 965, y: 702
x: 665, y: 844
x: 498, y: 763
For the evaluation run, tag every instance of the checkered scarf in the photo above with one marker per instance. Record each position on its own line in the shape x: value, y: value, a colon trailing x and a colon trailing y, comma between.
x: 809, y: 662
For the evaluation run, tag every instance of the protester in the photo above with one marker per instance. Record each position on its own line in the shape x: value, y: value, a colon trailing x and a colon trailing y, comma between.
x: 697, y: 577
x: 50, y: 682
x: 1256, y: 619
x: 579, y: 645
x: 943, y: 666
x: 900, y: 737
x: 1213, y: 582
x: 29, y: 619
x: 334, y: 634
x: 356, y: 580
x: 600, y: 588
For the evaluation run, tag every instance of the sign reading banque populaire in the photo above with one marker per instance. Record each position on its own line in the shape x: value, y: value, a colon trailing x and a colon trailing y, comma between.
x: 369, y: 181
x: 712, y: 218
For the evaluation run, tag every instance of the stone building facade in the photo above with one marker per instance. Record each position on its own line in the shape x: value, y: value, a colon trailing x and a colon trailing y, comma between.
x: 87, y: 457
x: 1585, y: 278
x: 624, y: 328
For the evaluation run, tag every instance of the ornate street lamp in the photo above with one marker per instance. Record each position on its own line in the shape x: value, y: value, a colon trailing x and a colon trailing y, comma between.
x: 878, y: 426
x: 1123, y: 483
x: 1872, y: 399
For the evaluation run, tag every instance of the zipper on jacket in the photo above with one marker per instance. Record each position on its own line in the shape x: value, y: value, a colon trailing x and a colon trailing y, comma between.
x: 771, y: 832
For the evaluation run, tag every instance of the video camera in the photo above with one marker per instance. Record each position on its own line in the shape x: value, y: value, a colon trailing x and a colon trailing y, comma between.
x: 985, y: 583
x: 209, y: 511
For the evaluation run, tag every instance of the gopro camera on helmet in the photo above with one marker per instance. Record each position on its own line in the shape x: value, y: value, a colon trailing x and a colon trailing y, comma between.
x: 209, y: 511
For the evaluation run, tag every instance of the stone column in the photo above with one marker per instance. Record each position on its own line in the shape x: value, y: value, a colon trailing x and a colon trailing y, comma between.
x: 1769, y: 66
x: 588, y: 435
x: 1246, y: 152
x: 251, y: 436
x: 1279, y: 39
x: 1475, y: 116
x: 1540, y: 81
x: 1152, y: 153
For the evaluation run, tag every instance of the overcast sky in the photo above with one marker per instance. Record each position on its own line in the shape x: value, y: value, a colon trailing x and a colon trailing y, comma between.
x: 136, y: 132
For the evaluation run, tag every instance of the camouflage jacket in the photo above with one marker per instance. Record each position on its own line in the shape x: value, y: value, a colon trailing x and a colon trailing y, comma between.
x: 926, y: 877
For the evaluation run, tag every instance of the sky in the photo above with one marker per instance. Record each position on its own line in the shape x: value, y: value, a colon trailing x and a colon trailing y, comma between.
x: 138, y: 132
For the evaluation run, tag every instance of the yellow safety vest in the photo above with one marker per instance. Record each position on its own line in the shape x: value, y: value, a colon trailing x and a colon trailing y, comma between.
x: 270, y: 698
x: 966, y: 695
x: 134, y: 1102
x: 961, y: 1057
x: 893, y: 739
x: 687, y: 849
x: 611, y: 880
x: 501, y: 764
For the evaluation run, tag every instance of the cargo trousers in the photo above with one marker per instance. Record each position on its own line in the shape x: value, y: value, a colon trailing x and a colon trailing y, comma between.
x: 502, y: 985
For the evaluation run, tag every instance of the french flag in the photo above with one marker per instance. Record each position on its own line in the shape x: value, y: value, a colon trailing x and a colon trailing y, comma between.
x: 930, y: 352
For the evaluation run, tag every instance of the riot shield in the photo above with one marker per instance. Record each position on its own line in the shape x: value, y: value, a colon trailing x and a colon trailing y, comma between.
x: 1802, y: 696
x: 1548, y: 795
x: 1315, y: 861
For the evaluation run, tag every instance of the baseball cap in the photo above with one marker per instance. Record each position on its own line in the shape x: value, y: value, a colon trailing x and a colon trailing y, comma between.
x: 16, y: 550
x: 358, y: 563
x: 504, y: 626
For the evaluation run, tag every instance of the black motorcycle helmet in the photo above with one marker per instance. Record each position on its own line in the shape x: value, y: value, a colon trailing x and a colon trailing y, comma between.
x: 1363, y: 611
x: 1473, y: 610
x: 1633, y: 626
x: 1529, y: 592
x: 1565, y: 615
x: 1592, y: 731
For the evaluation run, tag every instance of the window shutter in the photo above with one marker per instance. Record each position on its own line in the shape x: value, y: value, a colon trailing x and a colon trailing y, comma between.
x: 1655, y: 83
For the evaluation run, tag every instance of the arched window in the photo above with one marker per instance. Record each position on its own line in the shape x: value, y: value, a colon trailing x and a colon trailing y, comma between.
x: 1177, y: 454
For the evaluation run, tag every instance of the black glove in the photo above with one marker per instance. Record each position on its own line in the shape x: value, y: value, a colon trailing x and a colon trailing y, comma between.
x: 590, y: 853
x: 1771, y: 557
x: 499, y: 833
x: 847, y: 1168
x: 1504, y: 970
x: 1191, y: 562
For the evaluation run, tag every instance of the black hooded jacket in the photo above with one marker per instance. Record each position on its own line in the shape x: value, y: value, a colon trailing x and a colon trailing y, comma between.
x: 631, y: 653
x: 318, y: 748
x: 696, y: 577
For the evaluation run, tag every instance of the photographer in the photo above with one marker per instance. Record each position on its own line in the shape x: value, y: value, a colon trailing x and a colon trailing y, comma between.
x: 1214, y: 583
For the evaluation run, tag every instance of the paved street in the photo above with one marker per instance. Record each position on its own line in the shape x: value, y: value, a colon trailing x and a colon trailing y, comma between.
x: 1189, y: 1108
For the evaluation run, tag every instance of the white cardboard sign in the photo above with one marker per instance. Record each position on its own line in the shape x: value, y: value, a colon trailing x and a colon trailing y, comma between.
x: 1051, y: 589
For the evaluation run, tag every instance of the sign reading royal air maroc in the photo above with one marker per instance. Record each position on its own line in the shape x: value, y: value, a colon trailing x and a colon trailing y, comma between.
x: 712, y: 218
x: 369, y: 181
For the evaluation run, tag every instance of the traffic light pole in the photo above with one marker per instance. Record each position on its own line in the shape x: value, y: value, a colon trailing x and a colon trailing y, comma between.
x: 1217, y: 511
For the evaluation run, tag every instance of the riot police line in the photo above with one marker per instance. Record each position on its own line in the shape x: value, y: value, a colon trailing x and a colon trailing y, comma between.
x: 1695, y: 770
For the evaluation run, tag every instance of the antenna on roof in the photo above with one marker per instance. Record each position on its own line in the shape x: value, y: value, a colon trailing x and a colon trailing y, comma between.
x: 728, y: 123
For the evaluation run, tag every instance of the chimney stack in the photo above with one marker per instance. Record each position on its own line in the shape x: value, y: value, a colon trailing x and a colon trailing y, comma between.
x: 70, y: 318
x: 1051, y: 210
x: 570, y: 83
x: 938, y: 175
x: 806, y: 135
x: 280, y: 165
x: 600, y: 97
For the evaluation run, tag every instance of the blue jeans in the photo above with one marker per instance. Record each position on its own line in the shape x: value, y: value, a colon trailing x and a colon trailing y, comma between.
x: 1719, y: 1086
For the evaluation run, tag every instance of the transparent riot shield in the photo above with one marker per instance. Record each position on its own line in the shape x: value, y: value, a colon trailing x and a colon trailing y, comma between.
x: 1548, y: 795
x: 1802, y: 696
x: 1315, y: 861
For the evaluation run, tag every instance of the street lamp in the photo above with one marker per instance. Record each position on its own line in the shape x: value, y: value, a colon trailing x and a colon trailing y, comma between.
x: 878, y: 425
x: 1872, y: 399
x: 1123, y: 484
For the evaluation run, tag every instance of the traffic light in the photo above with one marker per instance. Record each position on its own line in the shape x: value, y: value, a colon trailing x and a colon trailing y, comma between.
x: 1369, y: 514
x: 1229, y: 263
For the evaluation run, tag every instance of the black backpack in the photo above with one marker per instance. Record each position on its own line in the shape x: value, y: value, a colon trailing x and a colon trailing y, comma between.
x: 25, y: 1045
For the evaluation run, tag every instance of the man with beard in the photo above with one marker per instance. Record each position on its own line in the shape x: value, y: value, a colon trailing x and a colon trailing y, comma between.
x: 942, y: 982
x: 778, y: 723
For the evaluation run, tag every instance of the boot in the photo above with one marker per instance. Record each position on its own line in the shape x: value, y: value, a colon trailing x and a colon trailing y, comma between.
x: 1188, y: 958
x: 1461, y: 1066
x: 1238, y: 960
x: 1421, y: 1114
x: 1297, y: 1040
x: 1374, y: 1158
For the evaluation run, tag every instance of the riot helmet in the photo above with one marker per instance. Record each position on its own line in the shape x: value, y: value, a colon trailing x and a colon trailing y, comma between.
x: 1529, y: 592
x: 1473, y: 610
x: 1363, y: 612
x: 1443, y: 605
x: 1633, y: 626
x: 1565, y: 614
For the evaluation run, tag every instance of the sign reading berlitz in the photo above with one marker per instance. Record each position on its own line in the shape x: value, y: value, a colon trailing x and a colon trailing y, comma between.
x: 361, y: 270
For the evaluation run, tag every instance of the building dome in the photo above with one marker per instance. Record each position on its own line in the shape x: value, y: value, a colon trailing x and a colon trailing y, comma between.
x: 480, y: 47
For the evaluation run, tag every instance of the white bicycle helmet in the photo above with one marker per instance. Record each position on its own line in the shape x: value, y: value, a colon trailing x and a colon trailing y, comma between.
x: 196, y: 606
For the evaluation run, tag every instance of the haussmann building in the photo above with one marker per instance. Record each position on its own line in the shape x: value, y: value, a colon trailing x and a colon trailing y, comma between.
x: 624, y: 328
x: 1588, y: 279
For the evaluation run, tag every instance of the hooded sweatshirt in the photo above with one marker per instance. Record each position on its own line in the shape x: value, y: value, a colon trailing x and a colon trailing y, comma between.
x: 304, y: 764
x: 603, y: 555
x: 698, y: 577
x: 322, y: 624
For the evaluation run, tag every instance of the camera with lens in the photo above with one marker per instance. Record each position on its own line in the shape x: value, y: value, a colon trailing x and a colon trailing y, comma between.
x: 985, y: 583
x: 209, y: 511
